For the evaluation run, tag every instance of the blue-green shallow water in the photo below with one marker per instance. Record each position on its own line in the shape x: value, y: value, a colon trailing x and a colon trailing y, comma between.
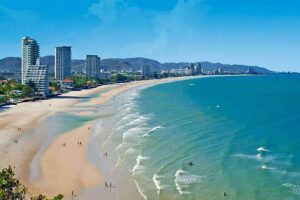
x: 241, y: 133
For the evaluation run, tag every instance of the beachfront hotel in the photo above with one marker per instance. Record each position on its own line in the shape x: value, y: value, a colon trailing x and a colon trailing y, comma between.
x: 63, y: 56
x: 92, y: 66
x: 145, y: 70
x: 39, y: 74
x: 30, y: 53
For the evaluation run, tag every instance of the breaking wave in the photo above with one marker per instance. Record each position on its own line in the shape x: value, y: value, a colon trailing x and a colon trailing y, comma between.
x: 183, y: 179
x: 152, y: 130
x: 138, y: 167
x: 294, y: 188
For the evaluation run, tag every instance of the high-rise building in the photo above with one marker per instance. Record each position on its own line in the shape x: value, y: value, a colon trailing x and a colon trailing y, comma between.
x: 220, y: 71
x: 145, y: 70
x: 63, y: 60
x: 92, y: 66
x: 39, y: 74
x: 196, y: 68
x: 30, y: 53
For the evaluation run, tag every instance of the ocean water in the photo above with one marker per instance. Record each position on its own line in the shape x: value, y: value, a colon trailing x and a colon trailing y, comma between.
x: 241, y: 134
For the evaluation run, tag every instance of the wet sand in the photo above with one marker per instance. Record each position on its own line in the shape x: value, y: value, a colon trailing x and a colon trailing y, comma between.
x: 63, y: 169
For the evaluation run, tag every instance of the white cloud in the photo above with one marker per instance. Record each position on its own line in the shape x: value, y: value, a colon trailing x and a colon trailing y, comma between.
x: 158, y: 34
x: 17, y: 15
x: 108, y: 10
x: 174, y: 31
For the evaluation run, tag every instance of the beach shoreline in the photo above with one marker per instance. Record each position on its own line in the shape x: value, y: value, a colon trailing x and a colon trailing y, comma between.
x: 20, y: 120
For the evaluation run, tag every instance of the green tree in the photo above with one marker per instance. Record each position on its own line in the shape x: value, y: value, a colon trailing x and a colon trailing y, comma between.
x: 43, y: 197
x: 79, y: 81
x: 12, y: 189
x: 27, y: 91
x: 31, y: 84
x: 55, y: 85
x: 18, y: 86
x: 119, y: 78
x: 2, y: 91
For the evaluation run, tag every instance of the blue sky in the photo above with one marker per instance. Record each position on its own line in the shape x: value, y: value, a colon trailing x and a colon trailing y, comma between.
x: 253, y: 32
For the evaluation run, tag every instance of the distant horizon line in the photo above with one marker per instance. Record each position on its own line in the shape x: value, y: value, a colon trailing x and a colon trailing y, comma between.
x: 145, y: 58
x: 268, y: 68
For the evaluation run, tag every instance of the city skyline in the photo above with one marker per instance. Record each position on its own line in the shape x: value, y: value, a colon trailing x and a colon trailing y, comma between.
x: 262, y: 33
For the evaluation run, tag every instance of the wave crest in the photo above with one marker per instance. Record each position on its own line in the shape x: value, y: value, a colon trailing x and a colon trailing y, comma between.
x: 138, y: 167
x: 152, y: 130
x: 183, y: 179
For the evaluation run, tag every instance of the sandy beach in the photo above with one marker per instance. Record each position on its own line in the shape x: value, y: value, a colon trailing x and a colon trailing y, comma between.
x: 63, y: 164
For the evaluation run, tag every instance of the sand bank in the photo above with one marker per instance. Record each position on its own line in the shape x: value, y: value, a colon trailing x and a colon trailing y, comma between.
x: 63, y: 169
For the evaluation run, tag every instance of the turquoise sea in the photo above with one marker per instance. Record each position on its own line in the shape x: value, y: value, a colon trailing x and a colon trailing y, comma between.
x: 241, y: 134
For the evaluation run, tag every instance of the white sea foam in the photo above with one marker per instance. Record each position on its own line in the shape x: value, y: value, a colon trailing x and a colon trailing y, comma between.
x: 130, y: 151
x: 122, y: 147
x: 157, y: 182
x: 183, y: 179
x: 138, y: 167
x: 265, y: 167
x: 134, y: 132
x: 258, y: 157
x: 152, y: 130
x: 138, y: 121
x: 98, y: 129
x: 191, y: 84
x: 294, y: 188
x: 140, y: 190
x: 124, y: 120
x: 128, y: 104
x: 247, y: 156
x: 262, y: 149
x: 124, y: 152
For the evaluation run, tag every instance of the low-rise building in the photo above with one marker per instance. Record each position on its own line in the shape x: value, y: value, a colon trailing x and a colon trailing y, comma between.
x: 67, y: 84
x: 180, y: 71
x: 3, y: 82
x: 105, y: 75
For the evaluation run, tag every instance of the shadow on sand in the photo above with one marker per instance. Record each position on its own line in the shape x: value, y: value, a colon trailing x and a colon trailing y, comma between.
x: 71, y: 97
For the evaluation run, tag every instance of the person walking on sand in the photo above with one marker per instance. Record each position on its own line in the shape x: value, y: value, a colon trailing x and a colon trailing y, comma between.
x: 73, y: 194
x: 225, y: 194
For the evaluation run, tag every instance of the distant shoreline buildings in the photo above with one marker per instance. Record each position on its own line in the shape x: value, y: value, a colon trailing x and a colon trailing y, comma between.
x: 90, y: 73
